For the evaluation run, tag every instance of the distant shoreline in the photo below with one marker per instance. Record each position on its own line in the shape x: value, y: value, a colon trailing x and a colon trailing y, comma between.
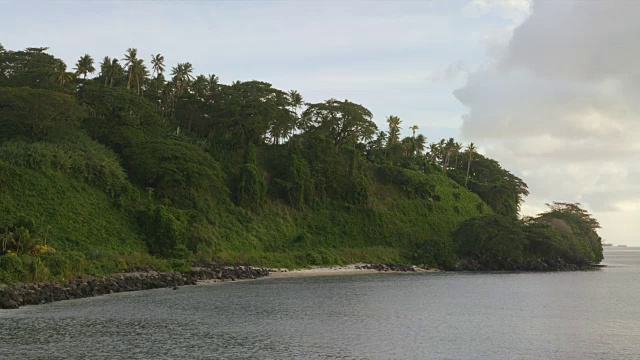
x: 24, y: 294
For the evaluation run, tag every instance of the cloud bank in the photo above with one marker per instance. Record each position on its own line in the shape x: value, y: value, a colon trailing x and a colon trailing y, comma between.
x: 561, y: 103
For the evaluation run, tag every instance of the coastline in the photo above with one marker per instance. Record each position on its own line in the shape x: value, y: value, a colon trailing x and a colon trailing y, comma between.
x: 205, y: 273
x: 21, y: 294
x: 24, y: 294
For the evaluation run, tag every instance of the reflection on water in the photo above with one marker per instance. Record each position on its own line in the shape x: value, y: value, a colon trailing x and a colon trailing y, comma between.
x: 578, y: 315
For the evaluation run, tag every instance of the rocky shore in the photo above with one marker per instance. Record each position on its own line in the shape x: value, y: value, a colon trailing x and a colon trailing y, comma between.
x: 510, y: 265
x: 14, y: 296
x: 395, y: 267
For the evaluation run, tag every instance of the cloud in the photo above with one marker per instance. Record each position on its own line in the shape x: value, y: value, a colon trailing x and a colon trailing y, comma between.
x: 507, y: 9
x: 451, y: 72
x: 560, y: 102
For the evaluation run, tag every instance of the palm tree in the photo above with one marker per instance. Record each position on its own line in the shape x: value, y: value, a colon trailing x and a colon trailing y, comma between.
x: 61, y: 76
x: 85, y: 65
x: 442, y: 151
x: 457, y: 147
x: 110, y: 69
x: 168, y: 98
x: 130, y: 57
x: 394, y: 128
x: 117, y: 71
x: 296, y: 101
x: 212, y: 83
x: 448, y: 150
x: 470, y: 149
x: 157, y: 64
x: 188, y: 69
x: 139, y: 70
x: 407, y: 146
x: 419, y: 143
x: 381, y: 139
x: 182, y: 75
x: 105, y: 67
x: 433, y: 151
x: 199, y: 86
x: 413, y: 129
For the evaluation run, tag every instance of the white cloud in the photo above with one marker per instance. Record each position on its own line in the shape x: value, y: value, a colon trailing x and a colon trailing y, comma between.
x: 560, y: 103
x: 514, y: 10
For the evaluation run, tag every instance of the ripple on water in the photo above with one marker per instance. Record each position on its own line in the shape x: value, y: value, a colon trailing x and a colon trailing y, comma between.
x: 577, y: 315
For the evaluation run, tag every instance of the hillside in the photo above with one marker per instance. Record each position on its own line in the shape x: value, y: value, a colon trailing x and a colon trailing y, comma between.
x: 127, y: 170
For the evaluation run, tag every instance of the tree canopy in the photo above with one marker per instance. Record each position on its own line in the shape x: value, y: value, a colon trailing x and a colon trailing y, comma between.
x: 131, y: 155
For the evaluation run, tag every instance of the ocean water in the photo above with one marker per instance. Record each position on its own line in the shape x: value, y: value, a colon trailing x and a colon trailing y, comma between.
x: 568, y: 315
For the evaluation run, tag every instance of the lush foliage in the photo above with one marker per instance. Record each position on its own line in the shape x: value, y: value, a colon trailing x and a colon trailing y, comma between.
x: 565, y: 232
x: 132, y: 169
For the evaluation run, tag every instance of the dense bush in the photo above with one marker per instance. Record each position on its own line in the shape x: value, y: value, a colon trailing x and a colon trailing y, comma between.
x: 252, y: 187
x: 83, y: 159
x: 490, y: 238
x: 182, y: 173
x: 119, y: 118
x: 34, y: 113
x: 566, y: 232
x: 166, y: 231
x: 413, y: 183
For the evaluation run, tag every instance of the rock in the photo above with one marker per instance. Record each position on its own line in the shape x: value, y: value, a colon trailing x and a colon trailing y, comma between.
x: 9, y: 304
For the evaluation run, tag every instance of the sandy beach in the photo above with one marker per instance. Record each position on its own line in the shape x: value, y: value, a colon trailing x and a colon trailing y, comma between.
x: 350, y: 269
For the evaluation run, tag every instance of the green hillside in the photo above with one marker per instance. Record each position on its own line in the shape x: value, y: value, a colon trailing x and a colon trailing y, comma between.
x: 127, y: 170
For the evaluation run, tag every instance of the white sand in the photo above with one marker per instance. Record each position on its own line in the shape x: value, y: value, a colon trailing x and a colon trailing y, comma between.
x: 333, y: 270
x: 350, y: 269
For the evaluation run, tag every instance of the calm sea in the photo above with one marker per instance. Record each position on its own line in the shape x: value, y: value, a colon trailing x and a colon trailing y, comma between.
x: 570, y: 315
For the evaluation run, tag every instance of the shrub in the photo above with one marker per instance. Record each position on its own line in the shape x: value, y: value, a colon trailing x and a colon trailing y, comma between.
x: 35, y: 112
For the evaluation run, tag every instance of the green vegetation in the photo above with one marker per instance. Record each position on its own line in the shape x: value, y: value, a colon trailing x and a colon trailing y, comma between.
x: 133, y: 170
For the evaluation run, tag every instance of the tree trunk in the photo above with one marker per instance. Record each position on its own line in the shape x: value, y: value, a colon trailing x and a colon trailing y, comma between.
x: 467, y: 177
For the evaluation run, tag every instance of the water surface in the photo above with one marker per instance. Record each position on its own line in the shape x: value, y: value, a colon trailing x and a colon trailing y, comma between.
x: 569, y: 315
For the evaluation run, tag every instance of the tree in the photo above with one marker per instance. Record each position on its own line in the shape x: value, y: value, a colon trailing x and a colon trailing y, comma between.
x: 85, y: 66
x: 408, y: 146
x: 578, y: 227
x: 157, y: 64
x: 442, y: 151
x: 140, y: 73
x: 457, y: 147
x: 111, y: 70
x: 243, y: 113
x: 31, y: 67
x: 394, y: 128
x: 61, y: 76
x: 344, y: 122
x: 470, y: 150
x: 296, y: 101
x: 497, y: 187
x: 199, y: 86
x: 36, y: 112
x: 413, y: 129
x: 252, y: 187
x: 182, y: 76
x: 130, y: 60
x: 434, y: 152
x: 212, y: 84
x: 490, y: 239
x: 448, y: 149
x: 419, y: 143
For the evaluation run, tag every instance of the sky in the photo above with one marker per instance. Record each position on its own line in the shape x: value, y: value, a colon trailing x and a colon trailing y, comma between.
x: 547, y: 88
